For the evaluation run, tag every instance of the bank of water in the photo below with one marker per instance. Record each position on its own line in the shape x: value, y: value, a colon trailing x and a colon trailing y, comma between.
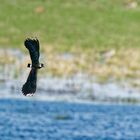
x: 79, y: 87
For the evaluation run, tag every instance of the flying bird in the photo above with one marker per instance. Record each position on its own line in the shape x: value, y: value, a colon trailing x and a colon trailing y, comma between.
x: 29, y: 88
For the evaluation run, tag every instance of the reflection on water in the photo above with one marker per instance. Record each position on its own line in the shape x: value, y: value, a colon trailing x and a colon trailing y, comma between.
x: 36, y: 120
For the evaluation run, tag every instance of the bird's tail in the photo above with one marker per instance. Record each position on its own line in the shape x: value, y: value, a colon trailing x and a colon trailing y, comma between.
x: 29, y: 87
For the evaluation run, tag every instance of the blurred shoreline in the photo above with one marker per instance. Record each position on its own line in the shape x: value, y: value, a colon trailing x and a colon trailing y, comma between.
x: 76, y: 89
x: 79, y: 87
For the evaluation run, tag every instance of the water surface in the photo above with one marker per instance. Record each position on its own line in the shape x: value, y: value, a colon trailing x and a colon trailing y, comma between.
x: 41, y: 120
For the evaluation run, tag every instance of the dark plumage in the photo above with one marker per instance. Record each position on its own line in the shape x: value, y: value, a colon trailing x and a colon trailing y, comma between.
x: 29, y: 88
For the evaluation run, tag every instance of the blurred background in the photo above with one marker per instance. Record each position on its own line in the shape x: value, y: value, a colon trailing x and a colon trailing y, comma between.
x: 91, y: 52
x: 90, y: 48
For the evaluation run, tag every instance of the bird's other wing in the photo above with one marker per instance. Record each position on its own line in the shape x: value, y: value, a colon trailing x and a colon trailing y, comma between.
x: 29, y: 87
x: 33, y: 47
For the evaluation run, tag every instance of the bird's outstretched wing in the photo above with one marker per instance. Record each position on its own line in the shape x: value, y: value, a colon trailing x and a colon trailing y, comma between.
x: 33, y: 47
x: 29, y: 87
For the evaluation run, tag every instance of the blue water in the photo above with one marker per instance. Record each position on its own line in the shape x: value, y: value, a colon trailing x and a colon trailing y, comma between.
x: 39, y: 120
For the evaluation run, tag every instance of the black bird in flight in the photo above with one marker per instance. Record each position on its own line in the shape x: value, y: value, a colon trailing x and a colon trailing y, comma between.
x: 29, y: 88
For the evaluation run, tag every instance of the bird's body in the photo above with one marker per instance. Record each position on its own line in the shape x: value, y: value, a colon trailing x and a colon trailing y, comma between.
x: 29, y: 88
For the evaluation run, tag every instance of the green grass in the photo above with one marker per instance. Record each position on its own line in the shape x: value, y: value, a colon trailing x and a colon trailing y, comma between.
x: 70, y: 23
